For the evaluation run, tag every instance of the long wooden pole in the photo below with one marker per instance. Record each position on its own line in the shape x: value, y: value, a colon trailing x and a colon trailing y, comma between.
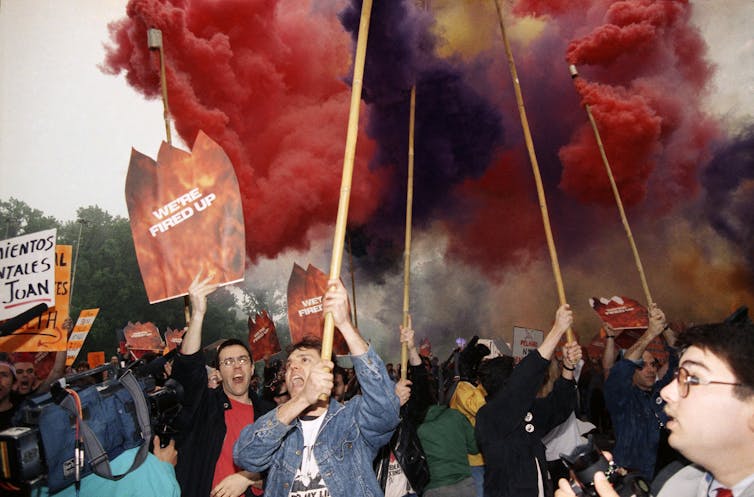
x: 345, y: 184
x: 154, y: 41
x: 353, y: 283
x: 571, y: 336
x: 407, y: 246
x: 575, y: 74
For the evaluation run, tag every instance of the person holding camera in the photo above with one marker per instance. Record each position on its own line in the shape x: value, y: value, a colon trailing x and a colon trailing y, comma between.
x: 710, y: 409
x: 510, y: 426
x: 322, y: 447
x: 212, y: 418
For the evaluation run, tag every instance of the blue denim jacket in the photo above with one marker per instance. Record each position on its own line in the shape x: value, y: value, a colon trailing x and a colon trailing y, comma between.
x: 347, y: 442
x: 637, y: 415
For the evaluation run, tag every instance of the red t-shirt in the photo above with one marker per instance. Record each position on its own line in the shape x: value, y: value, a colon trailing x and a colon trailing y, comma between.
x: 236, y: 419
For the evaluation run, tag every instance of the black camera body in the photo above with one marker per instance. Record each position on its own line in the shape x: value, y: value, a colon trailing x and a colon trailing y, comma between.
x: 586, y: 460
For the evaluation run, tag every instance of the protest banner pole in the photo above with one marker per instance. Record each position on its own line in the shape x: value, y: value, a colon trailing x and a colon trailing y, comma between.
x: 642, y: 276
x: 154, y: 41
x: 571, y: 336
x: 345, y: 184
x: 81, y: 222
x: 407, y: 245
x: 353, y: 282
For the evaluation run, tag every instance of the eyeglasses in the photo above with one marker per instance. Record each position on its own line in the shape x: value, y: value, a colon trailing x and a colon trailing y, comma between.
x: 686, y: 379
x: 231, y: 361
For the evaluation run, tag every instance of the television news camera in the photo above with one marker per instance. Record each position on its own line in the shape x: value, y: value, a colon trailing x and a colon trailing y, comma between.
x: 586, y: 460
x: 25, y: 456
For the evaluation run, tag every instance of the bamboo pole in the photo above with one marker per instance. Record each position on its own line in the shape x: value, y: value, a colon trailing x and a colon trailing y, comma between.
x: 154, y: 41
x: 575, y: 74
x: 407, y: 246
x: 571, y: 336
x: 345, y: 184
x: 353, y: 283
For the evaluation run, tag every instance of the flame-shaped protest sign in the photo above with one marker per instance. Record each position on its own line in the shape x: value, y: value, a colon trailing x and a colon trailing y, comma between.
x: 174, y: 338
x: 186, y: 215
x: 630, y: 320
x: 263, y: 339
x: 142, y: 338
x: 305, y: 318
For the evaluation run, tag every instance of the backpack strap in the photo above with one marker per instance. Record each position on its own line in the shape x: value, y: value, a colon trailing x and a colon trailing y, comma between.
x: 97, y: 456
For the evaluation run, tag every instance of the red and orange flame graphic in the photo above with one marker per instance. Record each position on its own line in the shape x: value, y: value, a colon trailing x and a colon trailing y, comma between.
x: 142, y: 338
x: 186, y: 215
x: 173, y: 338
x: 630, y: 319
x: 305, y: 317
x: 263, y: 338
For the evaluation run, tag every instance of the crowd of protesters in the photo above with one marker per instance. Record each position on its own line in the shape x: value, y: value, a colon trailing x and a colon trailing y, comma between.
x: 475, y: 425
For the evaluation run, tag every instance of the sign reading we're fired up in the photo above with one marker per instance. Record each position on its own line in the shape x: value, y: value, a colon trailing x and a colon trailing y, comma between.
x: 186, y: 215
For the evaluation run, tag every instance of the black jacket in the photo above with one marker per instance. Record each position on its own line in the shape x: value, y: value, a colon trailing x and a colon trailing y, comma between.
x: 510, y: 427
x: 405, y: 442
x: 201, y: 425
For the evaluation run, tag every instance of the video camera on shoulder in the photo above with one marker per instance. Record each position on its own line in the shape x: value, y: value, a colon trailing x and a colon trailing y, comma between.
x: 586, y: 460
x: 41, y: 448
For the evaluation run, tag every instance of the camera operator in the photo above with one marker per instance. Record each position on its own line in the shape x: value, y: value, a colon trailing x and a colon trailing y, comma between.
x: 212, y: 418
x: 710, y: 405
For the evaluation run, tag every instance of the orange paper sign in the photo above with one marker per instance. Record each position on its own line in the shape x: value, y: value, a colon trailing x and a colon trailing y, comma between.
x: 305, y: 317
x: 263, y: 339
x: 78, y: 335
x: 186, y: 215
x: 46, y: 332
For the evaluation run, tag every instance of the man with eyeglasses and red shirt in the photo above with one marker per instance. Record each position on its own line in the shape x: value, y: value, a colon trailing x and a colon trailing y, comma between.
x: 632, y: 396
x: 212, y: 418
x: 710, y: 409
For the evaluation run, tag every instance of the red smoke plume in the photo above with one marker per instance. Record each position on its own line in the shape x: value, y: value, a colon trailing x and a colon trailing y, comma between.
x: 643, y: 74
x: 504, y: 222
x: 648, y: 73
x: 269, y: 90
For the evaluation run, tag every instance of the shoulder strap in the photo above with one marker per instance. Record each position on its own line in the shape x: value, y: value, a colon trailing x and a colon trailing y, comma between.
x: 97, y: 456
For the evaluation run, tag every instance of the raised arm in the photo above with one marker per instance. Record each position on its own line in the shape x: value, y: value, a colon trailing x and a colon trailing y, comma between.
x: 609, y: 354
x: 198, y: 291
x: 563, y: 321
x: 656, y: 327
x: 407, y: 337
x: 336, y: 302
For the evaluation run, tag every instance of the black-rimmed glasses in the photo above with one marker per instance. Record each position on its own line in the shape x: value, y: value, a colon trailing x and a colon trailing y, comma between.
x: 686, y: 379
x: 231, y: 361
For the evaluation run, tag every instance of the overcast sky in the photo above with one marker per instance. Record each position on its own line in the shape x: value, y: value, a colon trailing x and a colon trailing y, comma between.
x: 66, y: 129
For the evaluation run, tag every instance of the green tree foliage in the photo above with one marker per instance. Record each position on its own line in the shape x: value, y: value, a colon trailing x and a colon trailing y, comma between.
x: 17, y: 218
x: 106, y: 275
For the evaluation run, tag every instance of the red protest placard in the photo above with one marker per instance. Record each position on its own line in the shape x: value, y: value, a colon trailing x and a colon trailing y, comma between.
x: 263, y: 339
x: 186, y: 215
x: 305, y: 317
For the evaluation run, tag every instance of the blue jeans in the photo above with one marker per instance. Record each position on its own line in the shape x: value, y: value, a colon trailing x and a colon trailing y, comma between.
x: 477, y: 473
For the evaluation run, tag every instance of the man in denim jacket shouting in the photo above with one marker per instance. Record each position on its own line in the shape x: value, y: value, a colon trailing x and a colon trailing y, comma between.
x: 311, y: 447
